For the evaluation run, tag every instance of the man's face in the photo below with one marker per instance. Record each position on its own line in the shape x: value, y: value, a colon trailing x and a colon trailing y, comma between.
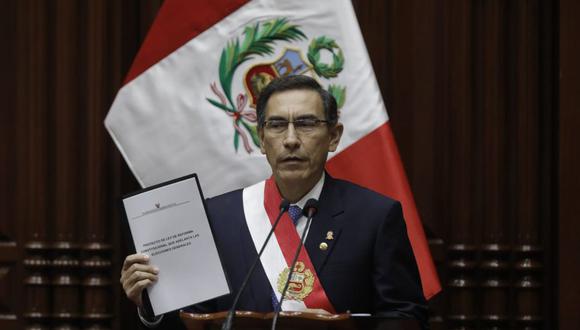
x: 297, y: 155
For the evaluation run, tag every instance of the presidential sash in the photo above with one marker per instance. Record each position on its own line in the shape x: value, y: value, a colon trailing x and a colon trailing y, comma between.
x: 261, y: 207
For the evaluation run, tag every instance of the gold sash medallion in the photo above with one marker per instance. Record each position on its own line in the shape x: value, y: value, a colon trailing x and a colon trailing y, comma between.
x: 301, y: 283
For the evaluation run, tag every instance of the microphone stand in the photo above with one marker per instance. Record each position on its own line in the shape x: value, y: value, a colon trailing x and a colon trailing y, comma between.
x: 229, y: 321
x: 309, y: 211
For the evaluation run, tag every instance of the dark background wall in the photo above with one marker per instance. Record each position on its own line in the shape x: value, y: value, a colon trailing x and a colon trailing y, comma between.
x: 484, y: 101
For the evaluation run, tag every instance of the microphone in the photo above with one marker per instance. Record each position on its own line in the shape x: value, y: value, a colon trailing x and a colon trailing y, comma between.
x: 309, y: 210
x: 228, y: 322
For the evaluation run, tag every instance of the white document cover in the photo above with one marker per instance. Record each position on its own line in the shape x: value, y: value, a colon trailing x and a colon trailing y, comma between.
x: 168, y: 222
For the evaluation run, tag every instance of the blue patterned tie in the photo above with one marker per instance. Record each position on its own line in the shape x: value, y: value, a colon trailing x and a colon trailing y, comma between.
x: 295, y: 213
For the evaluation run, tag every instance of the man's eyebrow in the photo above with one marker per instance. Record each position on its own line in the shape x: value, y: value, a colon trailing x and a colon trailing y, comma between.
x: 307, y: 116
x: 276, y: 118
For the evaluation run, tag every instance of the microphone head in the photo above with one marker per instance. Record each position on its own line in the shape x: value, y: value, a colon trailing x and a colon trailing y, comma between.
x: 284, y: 205
x: 310, y: 208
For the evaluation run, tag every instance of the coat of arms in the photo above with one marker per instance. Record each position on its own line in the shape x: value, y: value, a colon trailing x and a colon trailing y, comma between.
x: 301, y: 283
x: 259, y: 40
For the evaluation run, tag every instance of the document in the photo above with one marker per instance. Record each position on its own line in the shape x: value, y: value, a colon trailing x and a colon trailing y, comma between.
x: 169, y: 223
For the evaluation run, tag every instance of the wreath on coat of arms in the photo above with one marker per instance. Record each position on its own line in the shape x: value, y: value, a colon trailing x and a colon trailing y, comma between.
x: 259, y: 40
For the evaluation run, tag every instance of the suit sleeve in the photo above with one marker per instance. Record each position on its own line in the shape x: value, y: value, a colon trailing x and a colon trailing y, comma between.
x: 398, y: 291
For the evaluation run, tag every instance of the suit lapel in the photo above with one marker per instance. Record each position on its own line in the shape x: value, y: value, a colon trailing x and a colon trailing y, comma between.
x: 326, y: 225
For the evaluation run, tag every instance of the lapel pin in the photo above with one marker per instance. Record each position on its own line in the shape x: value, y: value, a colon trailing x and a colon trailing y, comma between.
x: 330, y: 235
x: 323, y: 246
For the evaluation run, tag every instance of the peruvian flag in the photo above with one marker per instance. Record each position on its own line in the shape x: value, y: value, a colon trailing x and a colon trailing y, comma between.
x: 188, y: 101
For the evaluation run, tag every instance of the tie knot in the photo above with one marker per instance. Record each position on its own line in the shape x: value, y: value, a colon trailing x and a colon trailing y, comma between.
x: 295, y: 213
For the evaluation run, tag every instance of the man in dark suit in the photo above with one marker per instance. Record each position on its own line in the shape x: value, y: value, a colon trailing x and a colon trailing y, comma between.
x: 357, y: 244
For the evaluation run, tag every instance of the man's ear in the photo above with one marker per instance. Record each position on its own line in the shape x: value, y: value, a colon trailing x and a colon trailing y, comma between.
x: 261, y: 136
x: 335, y: 135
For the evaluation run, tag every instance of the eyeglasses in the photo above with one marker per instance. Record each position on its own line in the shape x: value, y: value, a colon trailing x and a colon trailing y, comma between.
x: 301, y: 125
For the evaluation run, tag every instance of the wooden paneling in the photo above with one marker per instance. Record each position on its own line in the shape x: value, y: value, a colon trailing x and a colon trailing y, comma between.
x: 96, y: 247
x: 32, y: 204
x: 10, y: 246
x: 63, y: 171
x: 463, y: 82
x: 65, y: 146
x: 568, y: 242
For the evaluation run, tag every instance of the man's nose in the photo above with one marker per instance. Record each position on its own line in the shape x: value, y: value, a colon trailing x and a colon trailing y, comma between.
x: 291, y: 140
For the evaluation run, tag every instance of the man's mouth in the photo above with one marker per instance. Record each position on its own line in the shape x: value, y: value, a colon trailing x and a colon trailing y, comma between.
x: 292, y: 159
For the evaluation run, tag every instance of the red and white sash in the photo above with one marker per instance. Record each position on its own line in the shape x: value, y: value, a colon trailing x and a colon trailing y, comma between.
x: 261, y: 207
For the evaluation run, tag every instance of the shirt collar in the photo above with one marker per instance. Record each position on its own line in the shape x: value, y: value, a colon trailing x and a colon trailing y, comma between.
x: 313, y: 193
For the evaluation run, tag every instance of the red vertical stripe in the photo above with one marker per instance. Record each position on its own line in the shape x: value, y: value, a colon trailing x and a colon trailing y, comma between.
x: 378, y: 166
x: 177, y: 22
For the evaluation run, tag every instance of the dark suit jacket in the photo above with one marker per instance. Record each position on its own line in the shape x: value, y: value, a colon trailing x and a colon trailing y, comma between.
x: 368, y: 267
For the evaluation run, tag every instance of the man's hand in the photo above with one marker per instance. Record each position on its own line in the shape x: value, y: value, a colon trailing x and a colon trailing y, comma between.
x: 136, y: 275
